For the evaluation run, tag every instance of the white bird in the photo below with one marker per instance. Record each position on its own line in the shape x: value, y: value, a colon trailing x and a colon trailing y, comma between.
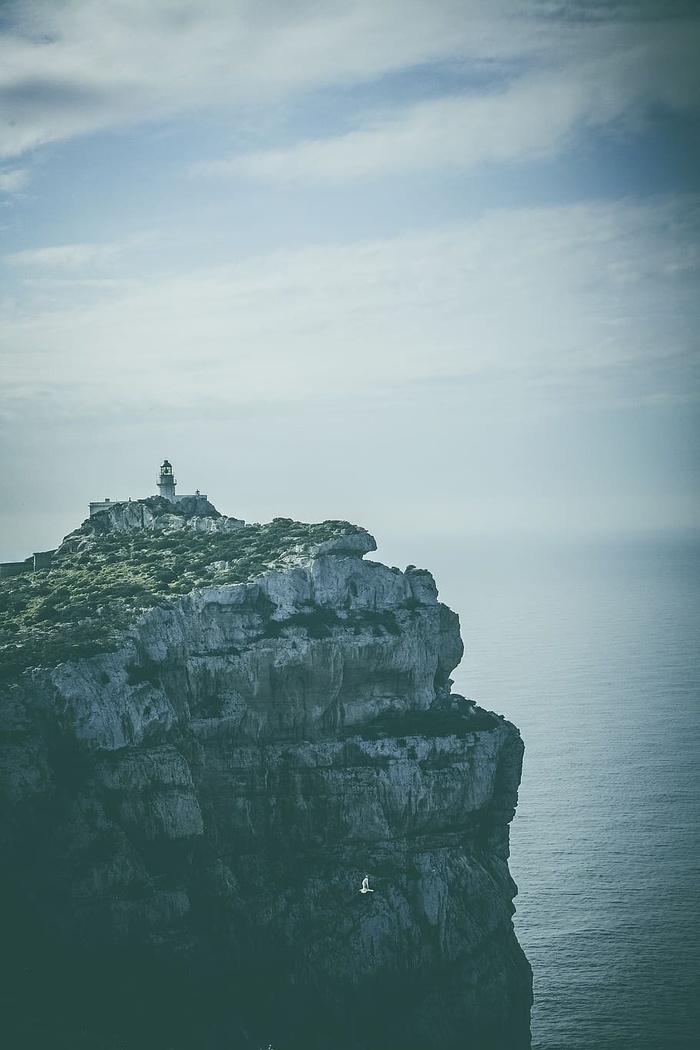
x: 365, y: 885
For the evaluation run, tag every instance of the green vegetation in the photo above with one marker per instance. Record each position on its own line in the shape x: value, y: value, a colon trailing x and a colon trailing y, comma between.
x: 78, y: 607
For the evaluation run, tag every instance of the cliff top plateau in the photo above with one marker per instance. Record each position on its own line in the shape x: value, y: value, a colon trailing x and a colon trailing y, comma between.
x: 137, y: 555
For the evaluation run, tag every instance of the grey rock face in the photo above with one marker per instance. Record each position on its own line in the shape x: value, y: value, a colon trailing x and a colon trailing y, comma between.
x: 194, y: 814
x: 191, y: 513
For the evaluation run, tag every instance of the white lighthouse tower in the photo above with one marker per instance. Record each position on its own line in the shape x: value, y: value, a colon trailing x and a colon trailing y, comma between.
x: 166, y: 481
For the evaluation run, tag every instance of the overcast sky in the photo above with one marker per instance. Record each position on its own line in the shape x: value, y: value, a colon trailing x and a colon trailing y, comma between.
x: 430, y: 265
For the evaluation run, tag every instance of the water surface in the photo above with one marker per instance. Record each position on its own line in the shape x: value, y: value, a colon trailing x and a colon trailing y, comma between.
x: 592, y: 650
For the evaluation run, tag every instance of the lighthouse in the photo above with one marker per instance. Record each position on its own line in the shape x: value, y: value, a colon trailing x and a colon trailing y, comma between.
x: 166, y: 487
x: 166, y: 481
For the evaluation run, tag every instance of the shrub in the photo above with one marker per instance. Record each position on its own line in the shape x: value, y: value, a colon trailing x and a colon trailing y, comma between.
x: 78, y: 607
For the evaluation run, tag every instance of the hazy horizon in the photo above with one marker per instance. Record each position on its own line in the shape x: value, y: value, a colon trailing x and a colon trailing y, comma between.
x: 428, y: 266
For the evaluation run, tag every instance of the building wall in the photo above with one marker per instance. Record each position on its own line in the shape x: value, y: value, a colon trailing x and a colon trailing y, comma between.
x: 14, y: 568
x: 38, y: 560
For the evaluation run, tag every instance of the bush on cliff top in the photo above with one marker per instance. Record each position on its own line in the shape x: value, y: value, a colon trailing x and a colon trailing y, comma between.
x: 78, y: 607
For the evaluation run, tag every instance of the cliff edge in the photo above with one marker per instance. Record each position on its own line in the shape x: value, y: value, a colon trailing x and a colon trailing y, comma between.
x: 211, y: 733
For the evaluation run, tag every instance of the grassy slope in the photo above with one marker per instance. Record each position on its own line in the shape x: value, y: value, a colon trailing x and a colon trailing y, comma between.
x: 78, y: 606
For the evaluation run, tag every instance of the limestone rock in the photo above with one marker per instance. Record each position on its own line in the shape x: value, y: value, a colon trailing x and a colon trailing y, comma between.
x: 191, y: 513
x: 189, y: 818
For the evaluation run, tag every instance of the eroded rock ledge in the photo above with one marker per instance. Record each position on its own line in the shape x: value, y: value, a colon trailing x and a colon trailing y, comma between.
x: 188, y: 815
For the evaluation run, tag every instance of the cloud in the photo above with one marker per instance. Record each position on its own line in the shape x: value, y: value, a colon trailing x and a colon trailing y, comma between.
x: 546, y: 306
x: 537, y: 115
x: 75, y: 256
x: 12, y: 180
x: 77, y: 67
x: 64, y: 256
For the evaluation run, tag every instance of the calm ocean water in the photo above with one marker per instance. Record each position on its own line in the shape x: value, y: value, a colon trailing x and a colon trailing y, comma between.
x: 593, y: 652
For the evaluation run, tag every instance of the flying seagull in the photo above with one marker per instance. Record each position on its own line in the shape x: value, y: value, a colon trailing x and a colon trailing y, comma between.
x: 365, y: 885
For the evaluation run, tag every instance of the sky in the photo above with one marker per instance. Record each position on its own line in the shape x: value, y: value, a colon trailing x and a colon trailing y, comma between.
x: 427, y: 265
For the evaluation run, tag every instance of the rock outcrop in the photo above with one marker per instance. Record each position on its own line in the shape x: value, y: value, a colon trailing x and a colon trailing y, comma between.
x: 187, y: 818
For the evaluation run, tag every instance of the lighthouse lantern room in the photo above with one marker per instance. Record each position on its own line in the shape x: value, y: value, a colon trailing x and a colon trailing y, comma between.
x: 166, y: 481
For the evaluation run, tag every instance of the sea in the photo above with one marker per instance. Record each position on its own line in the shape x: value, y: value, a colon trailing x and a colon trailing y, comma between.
x: 592, y: 649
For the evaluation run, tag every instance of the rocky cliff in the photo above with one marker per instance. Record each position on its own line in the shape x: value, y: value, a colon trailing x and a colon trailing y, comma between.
x: 251, y: 720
